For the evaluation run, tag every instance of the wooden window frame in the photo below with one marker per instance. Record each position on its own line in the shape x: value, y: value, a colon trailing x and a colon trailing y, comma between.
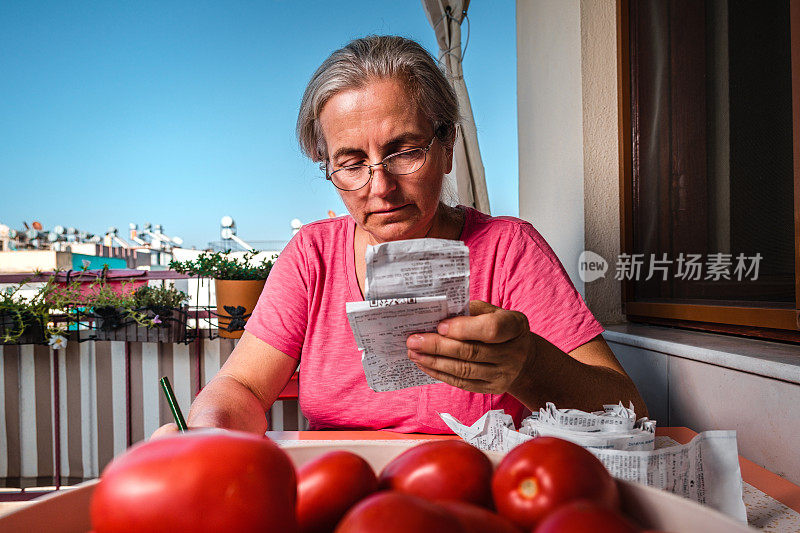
x: 772, y: 323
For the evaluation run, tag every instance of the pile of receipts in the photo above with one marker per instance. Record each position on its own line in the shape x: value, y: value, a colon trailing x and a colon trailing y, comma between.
x: 411, y: 286
x: 614, y: 428
x: 705, y: 470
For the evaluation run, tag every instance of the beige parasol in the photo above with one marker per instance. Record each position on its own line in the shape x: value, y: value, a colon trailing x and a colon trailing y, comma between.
x: 446, y: 16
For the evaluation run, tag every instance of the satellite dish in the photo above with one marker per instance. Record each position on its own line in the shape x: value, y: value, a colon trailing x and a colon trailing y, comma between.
x: 133, y: 226
x: 35, y: 243
x: 95, y: 238
x: 159, y: 228
x: 83, y: 235
x: 71, y: 231
x: 32, y: 234
x: 59, y: 230
x: 177, y: 240
x: 296, y: 224
x: 12, y: 233
x: 37, y: 225
x: 52, y: 236
x: 226, y: 222
x: 112, y: 230
x: 226, y: 233
x: 331, y: 214
x: 148, y: 226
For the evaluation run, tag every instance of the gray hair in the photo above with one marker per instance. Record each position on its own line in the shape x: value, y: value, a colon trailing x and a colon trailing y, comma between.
x: 377, y: 57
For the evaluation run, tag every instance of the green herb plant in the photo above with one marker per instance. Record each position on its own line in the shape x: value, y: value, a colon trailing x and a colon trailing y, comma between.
x: 19, y: 313
x: 145, y: 305
x: 158, y: 297
x: 57, y: 305
x: 222, y: 265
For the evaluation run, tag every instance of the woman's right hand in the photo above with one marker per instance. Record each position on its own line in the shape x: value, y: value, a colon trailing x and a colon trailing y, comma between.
x: 167, y: 430
x: 226, y: 402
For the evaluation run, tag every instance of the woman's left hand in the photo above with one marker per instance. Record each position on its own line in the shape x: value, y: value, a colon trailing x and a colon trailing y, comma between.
x: 491, y: 351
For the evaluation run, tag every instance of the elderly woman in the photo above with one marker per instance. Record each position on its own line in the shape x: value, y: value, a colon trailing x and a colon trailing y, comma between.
x: 381, y: 118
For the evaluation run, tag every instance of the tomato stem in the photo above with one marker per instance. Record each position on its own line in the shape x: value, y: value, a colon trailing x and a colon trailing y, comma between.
x: 529, y: 487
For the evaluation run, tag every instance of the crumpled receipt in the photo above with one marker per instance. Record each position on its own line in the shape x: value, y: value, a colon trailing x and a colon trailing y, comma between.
x: 614, y: 428
x: 705, y: 470
x: 494, y: 431
x: 410, y: 287
x: 419, y: 267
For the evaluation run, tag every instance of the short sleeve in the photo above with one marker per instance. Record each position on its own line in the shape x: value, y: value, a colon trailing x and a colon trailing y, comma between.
x: 281, y: 315
x: 537, y: 285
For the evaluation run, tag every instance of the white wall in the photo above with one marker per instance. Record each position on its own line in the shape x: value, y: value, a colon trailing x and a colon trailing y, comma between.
x: 549, y: 118
x: 30, y: 260
x: 601, y: 153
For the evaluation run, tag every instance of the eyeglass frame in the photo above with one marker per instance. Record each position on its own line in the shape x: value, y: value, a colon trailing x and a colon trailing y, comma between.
x: 382, y: 163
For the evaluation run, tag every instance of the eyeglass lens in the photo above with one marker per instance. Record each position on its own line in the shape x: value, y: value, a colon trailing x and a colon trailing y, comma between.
x: 356, y: 176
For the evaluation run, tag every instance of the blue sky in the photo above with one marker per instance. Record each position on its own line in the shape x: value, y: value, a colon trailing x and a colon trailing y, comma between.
x: 181, y: 112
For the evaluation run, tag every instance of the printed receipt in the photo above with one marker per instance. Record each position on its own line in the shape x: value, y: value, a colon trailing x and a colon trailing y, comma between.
x: 411, y: 286
x: 705, y: 470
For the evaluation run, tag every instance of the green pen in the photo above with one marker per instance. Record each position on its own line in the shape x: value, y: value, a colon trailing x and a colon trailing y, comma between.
x: 173, y: 404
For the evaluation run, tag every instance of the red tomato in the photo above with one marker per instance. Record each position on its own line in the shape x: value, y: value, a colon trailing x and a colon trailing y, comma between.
x: 583, y: 516
x: 542, y: 474
x: 474, y: 519
x: 198, y: 481
x: 329, y: 486
x: 396, y: 512
x: 441, y: 470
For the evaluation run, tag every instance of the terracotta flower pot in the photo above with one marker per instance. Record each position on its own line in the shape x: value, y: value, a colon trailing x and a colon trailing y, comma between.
x: 236, y: 300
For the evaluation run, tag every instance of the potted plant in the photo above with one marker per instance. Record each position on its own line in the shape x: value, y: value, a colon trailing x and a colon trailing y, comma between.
x: 27, y: 320
x: 21, y: 320
x: 165, y: 313
x: 238, y: 283
x: 147, y: 314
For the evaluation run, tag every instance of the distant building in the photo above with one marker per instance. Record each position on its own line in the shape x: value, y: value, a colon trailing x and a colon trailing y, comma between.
x: 34, y: 248
x: 74, y: 257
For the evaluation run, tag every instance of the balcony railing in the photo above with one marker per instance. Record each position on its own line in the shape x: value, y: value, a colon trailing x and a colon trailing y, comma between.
x: 64, y: 414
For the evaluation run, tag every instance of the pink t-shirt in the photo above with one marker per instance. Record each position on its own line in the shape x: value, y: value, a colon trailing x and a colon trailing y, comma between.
x: 302, y: 313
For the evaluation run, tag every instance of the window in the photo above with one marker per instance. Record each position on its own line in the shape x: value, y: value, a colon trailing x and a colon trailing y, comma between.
x: 711, y: 164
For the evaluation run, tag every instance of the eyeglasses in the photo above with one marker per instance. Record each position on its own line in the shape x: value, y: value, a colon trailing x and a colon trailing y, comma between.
x: 354, y: 177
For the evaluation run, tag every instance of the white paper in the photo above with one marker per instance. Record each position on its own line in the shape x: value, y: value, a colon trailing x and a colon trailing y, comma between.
x: 494, y: 431
x: 381, y: 328
x: 614, y: 428
x: 410, y: 287
x: 419, y: 267
x: 705, y: 470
